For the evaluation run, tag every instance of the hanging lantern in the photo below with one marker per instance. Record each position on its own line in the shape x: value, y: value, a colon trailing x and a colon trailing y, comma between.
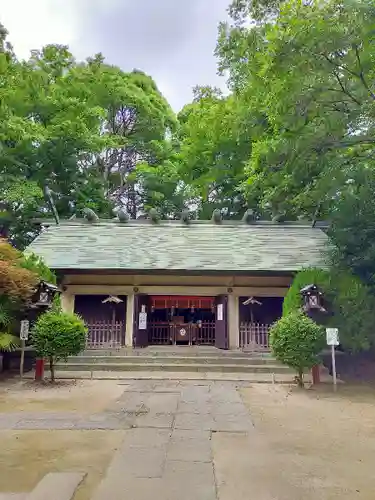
x: 44, y: 295
x: 312, y: 299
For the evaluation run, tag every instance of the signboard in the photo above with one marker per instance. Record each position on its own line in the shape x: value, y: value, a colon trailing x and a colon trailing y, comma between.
x: 220, y: 312
x: 142, y: 321
x: 24, y: 333
x: 332, y: 336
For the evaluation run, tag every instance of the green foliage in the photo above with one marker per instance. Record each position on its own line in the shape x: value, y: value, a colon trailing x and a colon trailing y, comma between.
x: 353, y: 228
x: 19, y: 275
x: 306, y: 71
x: 297, y: 341
x: 80, y: 128
x: 8, y: 342
x: 214, y: 143
x: 57, y: 335
x: 35, y: 264
x: 350, y: 303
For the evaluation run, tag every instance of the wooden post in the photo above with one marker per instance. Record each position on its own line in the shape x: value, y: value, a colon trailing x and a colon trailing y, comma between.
x: 22, y: 362
x: 315, y: 372
x: 39, y: 369
x: 333, y: 354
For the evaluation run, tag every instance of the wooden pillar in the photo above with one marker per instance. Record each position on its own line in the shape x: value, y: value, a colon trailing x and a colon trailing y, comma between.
x: 67, y: 301
x: 129, y: 320
x: 234, y: 322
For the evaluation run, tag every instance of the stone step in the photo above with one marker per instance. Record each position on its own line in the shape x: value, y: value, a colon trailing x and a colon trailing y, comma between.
x: 146, y: 360
x: 126, y: 376
x: 174, y: 367
x: 183, y: 351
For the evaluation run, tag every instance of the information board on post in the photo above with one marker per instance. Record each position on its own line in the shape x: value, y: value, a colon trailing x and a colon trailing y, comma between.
x: 333, y: 340
x: 332, y: 336
x: 220, y: 312
x: 142, y: 325
x: 24, y: 331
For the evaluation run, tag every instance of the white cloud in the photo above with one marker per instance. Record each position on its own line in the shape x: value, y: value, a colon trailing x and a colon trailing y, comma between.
x: 32, y: 24
x: 173, y: 41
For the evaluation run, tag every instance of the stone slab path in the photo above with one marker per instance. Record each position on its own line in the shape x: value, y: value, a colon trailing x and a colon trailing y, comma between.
x: 171, y: 427
x: 168, y: 452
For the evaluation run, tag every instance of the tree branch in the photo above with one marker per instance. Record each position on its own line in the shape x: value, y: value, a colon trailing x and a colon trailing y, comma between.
x: 361, y: 73
x: 346, y: 91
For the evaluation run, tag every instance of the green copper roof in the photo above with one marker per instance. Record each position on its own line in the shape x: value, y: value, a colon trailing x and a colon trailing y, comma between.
x: 174, y: 246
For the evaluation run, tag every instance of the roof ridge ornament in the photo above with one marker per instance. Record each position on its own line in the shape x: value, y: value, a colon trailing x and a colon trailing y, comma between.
x: 90, y: 215
x: 123, y: 216
x: 154, y: 216
x: 185, y: 216
x: 279, y: 217
x: 249, y: 216
x: 48, y: 195
x: 217, y: 218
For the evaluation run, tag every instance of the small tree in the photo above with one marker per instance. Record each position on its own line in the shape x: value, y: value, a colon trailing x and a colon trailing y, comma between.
x: 297, y: 341
x: 57, y: 335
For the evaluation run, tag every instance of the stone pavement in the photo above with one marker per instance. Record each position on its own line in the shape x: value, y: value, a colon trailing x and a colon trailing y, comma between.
x: 167, y: 451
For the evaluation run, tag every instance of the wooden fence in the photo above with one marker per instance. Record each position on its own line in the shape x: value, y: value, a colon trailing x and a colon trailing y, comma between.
x: 206, y: 333
x: 105, y: 334
x: 168, y: 333
x: 255, y: 336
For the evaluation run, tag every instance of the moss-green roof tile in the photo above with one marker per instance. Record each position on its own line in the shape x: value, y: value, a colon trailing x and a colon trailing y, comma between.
x: 195, y: 247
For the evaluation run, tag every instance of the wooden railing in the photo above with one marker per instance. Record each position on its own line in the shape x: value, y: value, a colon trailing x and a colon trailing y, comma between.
x: 105, y: 334
x: 254, y: 335
x: 164, y: 333
x: 160, y: 334
x: 206, y: 333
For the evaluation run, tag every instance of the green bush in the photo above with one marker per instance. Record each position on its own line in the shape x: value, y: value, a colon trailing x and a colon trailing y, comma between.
x: 57, y: 335
x: 297, y: 341
x: 350, y: 302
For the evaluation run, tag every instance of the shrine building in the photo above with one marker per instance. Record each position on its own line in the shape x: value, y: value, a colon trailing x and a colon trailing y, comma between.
x: 139, y: 283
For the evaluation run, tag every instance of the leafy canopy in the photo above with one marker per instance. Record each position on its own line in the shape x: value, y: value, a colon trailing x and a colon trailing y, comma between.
x: 80, y: 128
x: 307, y: 71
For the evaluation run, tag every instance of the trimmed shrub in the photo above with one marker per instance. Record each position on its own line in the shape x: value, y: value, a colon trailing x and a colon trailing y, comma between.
x: 57, y: 335
x: 297, y: 341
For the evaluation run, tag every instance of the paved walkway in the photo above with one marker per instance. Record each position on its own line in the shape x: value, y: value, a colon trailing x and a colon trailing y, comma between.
x: 167, y: 452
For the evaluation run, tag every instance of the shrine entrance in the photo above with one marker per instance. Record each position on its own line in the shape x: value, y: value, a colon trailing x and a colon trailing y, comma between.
x: 181, y: 320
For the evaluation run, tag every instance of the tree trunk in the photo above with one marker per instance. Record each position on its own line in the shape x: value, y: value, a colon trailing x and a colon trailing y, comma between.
x: 52, y: 368
x: 300, y: 378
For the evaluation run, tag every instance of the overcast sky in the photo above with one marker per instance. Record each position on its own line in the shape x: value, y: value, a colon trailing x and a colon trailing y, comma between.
x: 172, y: 40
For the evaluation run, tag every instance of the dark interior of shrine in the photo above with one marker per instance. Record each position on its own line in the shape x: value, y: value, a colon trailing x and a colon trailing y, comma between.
x: 188, y: 315
x: 262, y: 310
